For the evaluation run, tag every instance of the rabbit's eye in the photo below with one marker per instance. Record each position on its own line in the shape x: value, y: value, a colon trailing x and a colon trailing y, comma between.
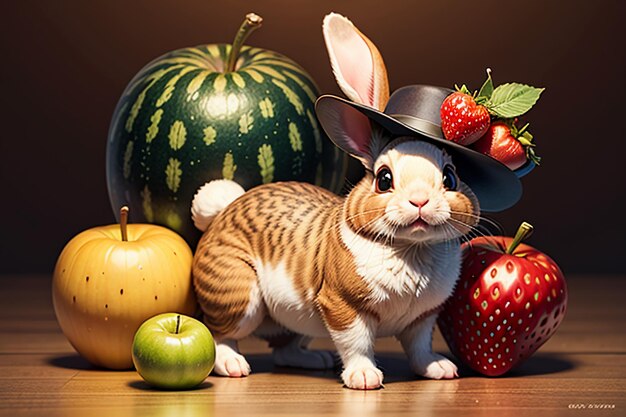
x: 384, y: 180
x: 450, y: 180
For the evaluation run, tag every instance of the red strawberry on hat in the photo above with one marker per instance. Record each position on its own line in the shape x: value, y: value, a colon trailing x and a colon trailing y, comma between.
x: 463, y: 120
x: 478, y: 120
x: 508, y: 144
x: 509, y: 301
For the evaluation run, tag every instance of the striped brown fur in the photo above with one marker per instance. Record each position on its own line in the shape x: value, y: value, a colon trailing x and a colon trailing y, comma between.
x: 290, y: 221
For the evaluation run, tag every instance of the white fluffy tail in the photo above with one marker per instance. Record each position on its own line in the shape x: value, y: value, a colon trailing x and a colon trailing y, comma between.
x: 212, y: 198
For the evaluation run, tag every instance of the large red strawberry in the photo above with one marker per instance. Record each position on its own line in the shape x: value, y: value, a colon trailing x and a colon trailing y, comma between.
x: 462, y: 120
x: 509, y: 301
x: 508, y: 145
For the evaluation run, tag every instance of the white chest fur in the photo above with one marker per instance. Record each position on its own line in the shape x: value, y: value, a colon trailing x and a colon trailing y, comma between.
x: 405, y: 282
x: 288, y: 307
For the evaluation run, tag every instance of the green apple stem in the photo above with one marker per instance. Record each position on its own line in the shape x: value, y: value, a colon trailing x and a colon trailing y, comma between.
x: 525, y: 230
x: 177, y: 323
x: 124, y: 223
x: 252, y: 22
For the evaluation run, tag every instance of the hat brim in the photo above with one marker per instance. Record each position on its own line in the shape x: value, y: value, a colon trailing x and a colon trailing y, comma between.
x: 496, y: 186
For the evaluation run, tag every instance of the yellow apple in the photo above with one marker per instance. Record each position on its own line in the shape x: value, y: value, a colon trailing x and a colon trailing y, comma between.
x: 110, y: 279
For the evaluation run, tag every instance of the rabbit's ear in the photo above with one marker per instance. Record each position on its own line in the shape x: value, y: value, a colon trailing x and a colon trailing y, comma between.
x: 357, y: 64
x: 350, y: 130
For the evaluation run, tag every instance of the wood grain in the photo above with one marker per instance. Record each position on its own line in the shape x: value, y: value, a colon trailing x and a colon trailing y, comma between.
x: 584, y: 365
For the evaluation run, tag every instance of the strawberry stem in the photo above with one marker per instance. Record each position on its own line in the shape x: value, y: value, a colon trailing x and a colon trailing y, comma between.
x: 463, y: 89
x: 524, y: 230
x: 530, y: 154
x: 522, y: 130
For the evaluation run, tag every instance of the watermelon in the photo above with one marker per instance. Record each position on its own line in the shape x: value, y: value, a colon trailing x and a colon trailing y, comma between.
x: 186, y: 119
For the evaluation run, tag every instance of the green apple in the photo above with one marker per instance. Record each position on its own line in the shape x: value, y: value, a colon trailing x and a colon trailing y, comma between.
x: 173, y: 351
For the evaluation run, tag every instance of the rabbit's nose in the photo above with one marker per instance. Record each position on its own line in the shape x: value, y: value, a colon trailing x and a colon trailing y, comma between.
x: 419, y: 198
x: 419, y: 202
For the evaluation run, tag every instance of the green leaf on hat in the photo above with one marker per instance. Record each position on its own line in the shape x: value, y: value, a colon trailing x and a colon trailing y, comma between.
x: 513, y: 99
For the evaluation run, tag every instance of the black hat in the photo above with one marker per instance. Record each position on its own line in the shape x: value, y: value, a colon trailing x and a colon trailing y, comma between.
x: 414, y: 111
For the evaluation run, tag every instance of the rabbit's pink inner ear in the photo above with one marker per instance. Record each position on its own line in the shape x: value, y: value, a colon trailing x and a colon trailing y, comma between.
x: 350, y: 58
x: 358, y: 131
x: 348, y: 128
x: 355, y: 64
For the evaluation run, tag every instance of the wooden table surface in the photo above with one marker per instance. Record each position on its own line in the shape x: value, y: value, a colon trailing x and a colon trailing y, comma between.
x: 581, y: 371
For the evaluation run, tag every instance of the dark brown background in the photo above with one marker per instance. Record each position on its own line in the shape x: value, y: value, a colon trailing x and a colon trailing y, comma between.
x: 65, y: 63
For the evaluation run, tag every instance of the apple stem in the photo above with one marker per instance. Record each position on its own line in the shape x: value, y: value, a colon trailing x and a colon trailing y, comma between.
x: 124, y: 223
x: 177, y: 323
x: 525, y: 230
x: 252, y: 22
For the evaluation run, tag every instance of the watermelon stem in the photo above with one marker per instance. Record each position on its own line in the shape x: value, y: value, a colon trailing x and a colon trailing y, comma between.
x: 124, y: 223
x: 525, y: 230
x: 252, y: 22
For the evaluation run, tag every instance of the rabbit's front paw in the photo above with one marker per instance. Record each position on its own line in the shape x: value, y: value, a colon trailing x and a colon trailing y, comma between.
x: 362, y: 377
x: 435, y: 366
x: 229, y: 362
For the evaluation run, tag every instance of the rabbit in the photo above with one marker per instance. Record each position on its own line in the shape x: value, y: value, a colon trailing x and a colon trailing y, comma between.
x: 290, y: 261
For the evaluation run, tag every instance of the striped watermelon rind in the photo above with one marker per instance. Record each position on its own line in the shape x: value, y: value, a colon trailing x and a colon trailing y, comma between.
x: 182, y: 122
